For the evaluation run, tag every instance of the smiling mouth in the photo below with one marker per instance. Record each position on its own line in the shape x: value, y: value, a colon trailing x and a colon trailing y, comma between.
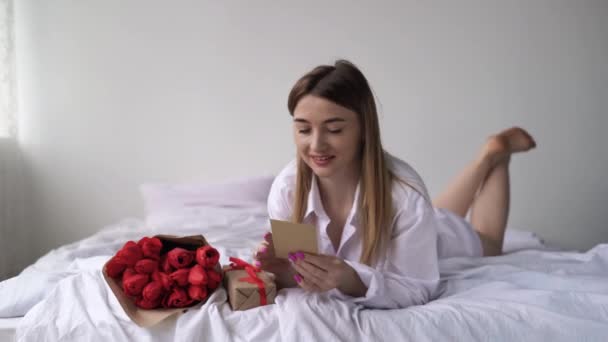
x: 322, y: 161
x: 322, y: 158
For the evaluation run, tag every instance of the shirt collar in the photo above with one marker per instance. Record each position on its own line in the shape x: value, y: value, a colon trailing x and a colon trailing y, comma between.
x: 314, y: 200
x: 315, y: 205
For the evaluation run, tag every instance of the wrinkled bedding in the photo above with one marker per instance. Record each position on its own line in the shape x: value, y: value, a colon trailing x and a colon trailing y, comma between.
x: 532, y: 293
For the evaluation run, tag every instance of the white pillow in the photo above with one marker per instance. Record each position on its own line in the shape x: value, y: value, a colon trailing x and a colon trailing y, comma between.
x: 173, y: 199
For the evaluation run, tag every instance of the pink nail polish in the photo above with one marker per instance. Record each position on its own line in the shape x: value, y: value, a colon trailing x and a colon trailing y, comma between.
x: 292, y: 257
x: 297, y: 278
x: 264, y: 250
x: 299, y: 255
x: 257, y: 263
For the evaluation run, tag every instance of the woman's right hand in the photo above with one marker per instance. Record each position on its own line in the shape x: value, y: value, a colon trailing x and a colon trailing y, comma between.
x: 267, y: 261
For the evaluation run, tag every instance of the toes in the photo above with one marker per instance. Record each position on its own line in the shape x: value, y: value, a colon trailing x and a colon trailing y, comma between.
x: 518, y: 139
x: 530, y: 139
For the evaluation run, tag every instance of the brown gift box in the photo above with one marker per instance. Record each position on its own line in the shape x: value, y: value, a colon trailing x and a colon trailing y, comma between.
x: 243, y: 295
x: 147, y: 318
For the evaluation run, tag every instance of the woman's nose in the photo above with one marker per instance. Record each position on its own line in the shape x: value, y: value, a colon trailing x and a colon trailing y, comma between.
x: 318, y: 142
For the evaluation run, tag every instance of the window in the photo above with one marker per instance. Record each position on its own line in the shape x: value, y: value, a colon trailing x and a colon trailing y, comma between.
x: 7, y: 79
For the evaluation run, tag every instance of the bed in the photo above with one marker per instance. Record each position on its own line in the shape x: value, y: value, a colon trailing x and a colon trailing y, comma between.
x: 532, y: 293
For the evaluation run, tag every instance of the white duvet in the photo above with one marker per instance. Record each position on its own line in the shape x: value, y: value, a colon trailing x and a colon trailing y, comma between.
x: 527, y: 295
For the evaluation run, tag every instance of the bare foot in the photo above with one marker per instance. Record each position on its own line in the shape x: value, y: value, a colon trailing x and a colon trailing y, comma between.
x: 499, y: 147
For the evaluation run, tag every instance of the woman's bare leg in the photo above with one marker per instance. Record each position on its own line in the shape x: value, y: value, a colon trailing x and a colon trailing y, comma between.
x: 483, y: 186
x: 461, y: 191
x: 490, y: 210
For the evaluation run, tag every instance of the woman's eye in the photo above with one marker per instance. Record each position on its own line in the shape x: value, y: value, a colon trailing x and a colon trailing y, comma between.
x: 304, y: 131
x: 335, y: 131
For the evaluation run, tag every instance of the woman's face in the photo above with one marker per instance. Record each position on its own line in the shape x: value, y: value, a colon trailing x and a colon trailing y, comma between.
x: 327, y: 136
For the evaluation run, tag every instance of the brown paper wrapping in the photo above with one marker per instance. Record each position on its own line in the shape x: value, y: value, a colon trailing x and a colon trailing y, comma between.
x: 147, y: 318
x: 243, y: 295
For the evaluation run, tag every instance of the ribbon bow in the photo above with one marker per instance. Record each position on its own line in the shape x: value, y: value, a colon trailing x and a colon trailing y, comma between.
x: 238, y: 264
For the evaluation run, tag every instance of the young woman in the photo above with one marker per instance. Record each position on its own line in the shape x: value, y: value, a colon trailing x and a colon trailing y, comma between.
x: 380, y: 236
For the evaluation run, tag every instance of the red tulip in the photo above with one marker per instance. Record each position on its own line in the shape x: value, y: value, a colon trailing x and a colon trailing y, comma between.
x: 165, y: 265
x: 197, y: 275
x: 197, y: 292
x: 153, y: 291
x: 134, y: 284
x: 114, y: 268
x: 146, y: 304
x: 180, y: 276
x: 146, y: 266
x: 129, y: 254
x: 178, y: 298
x: 164, y: 279
x: 129, y: 272
x: 180, y: 258
x: 207, y: 256
x: 150, y: 247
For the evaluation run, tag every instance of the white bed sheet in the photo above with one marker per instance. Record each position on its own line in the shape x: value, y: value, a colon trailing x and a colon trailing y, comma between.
x: 525, y: 295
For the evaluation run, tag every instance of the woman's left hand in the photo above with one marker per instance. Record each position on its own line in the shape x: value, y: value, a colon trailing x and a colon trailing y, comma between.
x: 320, y: 273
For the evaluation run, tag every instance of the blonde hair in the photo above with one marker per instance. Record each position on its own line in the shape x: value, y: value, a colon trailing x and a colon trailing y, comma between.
x: 346, y: 86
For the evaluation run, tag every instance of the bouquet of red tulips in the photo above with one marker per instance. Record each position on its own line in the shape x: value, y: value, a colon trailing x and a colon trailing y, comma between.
x: 164, y: 272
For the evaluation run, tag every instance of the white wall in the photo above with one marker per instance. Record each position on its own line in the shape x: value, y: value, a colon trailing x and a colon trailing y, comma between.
x: 116, y: 93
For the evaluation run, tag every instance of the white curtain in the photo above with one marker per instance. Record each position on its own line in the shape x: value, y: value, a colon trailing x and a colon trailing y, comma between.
x: 7, y: 71
x: 12, y: 232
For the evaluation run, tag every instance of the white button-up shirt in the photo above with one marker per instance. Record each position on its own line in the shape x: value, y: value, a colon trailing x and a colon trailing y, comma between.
x: 407, y: 272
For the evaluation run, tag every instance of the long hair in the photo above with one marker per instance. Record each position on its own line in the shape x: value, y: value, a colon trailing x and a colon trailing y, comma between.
x: 344, y: 84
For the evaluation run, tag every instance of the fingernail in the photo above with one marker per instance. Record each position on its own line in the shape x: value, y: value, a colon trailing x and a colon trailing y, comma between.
x: 299, y: 255
x: 266, y: 235
x: 263, y: 250
x: 257, y: 263
x: 297, y: 278
x: 292, y: 257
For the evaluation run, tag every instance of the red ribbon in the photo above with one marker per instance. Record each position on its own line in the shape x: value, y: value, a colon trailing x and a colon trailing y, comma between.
x: 238, y: 264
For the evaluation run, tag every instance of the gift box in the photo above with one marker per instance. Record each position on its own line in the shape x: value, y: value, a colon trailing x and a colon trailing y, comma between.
x: 149, y: 317
x: 248, y: 286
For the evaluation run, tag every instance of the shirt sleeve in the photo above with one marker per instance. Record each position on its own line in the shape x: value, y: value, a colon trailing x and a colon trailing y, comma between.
x: 410, y: 273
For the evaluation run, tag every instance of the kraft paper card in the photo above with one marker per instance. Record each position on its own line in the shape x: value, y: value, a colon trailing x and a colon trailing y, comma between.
x: 291, y: 237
